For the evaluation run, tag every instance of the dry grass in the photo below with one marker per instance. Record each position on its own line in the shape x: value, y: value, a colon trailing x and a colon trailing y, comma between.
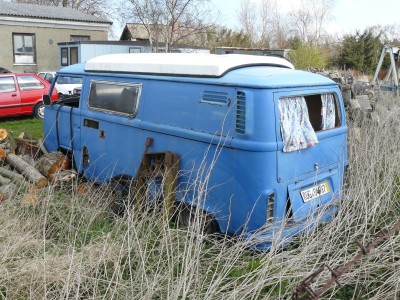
x: 68, y: 246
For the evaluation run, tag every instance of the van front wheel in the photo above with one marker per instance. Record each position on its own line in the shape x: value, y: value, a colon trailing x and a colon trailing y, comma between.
x: 120, y: 186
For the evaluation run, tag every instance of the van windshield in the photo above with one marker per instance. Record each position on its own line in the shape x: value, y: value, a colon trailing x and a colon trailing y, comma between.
x: 68, y: 89
x: 302, y: 117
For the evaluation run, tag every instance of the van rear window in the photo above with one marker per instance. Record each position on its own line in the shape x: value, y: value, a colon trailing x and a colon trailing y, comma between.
x: 115, y: 97
x: 302, y: 117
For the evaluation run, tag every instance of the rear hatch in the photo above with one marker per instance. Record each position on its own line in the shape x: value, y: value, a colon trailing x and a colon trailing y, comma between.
x: 311, y: 137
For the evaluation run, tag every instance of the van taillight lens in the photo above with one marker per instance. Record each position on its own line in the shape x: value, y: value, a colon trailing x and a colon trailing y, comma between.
x: 270, y: 208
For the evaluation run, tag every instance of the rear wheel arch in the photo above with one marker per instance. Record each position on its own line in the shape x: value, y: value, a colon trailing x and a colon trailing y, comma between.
x: 189, y: 214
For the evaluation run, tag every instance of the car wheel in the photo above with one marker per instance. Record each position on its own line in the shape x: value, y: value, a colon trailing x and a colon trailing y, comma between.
x: 120, y: 187
x: 189, y: 216
x: 38, y: 111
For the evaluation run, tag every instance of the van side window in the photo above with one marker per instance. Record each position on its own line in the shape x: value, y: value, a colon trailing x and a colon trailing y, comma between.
x: 301, y: 117
x: 115, y: 97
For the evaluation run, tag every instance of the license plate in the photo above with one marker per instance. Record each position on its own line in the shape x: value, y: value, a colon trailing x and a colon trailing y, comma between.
x: 315, y: 191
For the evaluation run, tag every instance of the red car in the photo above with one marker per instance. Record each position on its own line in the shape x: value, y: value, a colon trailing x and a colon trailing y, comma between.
x: 21, y: 94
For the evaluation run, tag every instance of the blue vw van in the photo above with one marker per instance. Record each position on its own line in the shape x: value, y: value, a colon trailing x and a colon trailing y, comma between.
x: 261, y: 146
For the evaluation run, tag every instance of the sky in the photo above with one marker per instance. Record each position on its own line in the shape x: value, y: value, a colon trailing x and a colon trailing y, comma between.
x: 348, y: 15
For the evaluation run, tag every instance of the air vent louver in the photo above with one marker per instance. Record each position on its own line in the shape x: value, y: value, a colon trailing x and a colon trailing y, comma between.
x: 241, y: 113
x: 218, y: 98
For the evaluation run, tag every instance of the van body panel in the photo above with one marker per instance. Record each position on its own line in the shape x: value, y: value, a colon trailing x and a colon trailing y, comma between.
x: 63, y: 133
x: 302, y: 210
x: 227, y: 132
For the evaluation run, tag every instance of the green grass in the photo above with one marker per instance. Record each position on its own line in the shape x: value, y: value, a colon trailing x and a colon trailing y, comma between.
x: 30, y: 125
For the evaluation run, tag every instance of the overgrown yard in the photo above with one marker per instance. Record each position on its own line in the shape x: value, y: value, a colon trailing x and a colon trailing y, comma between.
x: 68, y: 244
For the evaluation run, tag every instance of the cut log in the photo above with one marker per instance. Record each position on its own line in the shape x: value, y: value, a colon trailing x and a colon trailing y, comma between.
x: 4, y: 180
x: 8, y: 191
x: 27, y: 148
x: 28, y: 171
x: 42, y: 147
x: 3, y: 134
x: 63, y: 177
x: 29, y: 159
x: 25, y: 136
x: 33, y: 142
x: 10, y: 174
x: 3, y: 153
x: 62, y: 163
x: 7, y: 141
x: 51, y: 163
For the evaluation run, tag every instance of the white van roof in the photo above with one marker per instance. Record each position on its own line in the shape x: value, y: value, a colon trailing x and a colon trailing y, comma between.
x: 191, y: 64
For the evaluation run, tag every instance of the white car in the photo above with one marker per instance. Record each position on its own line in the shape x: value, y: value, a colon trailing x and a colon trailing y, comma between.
x: 64, y: 85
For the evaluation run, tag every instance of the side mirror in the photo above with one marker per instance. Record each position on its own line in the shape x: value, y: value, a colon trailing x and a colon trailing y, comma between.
x: 46, y: 100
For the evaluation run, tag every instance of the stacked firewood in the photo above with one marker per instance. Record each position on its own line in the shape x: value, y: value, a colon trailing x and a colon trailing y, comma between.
x: 25, y: 161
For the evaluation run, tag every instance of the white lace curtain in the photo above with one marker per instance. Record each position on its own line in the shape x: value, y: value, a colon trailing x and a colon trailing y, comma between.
x: 328, y: 111
x: 297, y: 131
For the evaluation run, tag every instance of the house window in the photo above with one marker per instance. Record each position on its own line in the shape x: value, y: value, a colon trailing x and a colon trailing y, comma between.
x: 24, y: 48
x: 64, y: 56
x: 116, y: 97
x: 77, y: 38
x: 73, y: 55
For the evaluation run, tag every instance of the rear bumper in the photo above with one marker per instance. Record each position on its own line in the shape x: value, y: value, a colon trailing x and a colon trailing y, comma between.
x: 280, y: 234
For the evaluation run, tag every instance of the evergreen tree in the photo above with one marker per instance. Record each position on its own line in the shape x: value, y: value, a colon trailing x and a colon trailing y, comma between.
x: 361, y: 51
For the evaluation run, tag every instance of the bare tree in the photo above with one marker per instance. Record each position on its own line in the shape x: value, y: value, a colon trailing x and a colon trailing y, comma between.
x: 262, y: 22
x: 301, y: 21
x: 172, y: 21
x: 281, y: 31
x: 148, y: 13
x: 248, y: 20
x: 266, y: 16
x: 309, y: 18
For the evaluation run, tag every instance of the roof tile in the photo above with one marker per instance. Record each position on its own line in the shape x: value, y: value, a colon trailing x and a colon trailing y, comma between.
x: 47, y: 12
